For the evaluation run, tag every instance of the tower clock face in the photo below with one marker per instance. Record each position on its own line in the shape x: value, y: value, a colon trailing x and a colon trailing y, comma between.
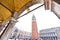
x: 58, y: 1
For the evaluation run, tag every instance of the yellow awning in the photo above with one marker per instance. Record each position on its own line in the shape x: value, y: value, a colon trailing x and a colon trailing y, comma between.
x: 15, y: 5
x: 4, y: 13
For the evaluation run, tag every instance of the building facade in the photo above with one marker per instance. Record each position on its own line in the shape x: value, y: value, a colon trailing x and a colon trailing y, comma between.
x: 50, y: 34
x: 24, y: 35
x: 19, y: 35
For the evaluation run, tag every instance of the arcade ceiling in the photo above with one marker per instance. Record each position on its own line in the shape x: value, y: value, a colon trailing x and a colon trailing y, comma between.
x: 8, y: 7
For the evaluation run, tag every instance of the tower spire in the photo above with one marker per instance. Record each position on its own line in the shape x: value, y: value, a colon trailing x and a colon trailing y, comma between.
x: 33, y: 17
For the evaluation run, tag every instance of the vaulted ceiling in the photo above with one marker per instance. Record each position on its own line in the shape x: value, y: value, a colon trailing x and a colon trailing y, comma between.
x: 14, y: 5
x: 4, y: 13
x: 8, y: 7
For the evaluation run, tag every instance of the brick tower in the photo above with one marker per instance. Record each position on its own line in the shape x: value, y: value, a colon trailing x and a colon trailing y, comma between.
x: 34, y: 29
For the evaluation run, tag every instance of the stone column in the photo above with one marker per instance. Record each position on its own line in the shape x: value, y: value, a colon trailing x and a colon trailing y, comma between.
x: 8, y: 30
x: 47, y: 4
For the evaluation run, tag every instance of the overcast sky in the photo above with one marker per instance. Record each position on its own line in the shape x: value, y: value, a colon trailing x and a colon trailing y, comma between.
x: 44, y: 18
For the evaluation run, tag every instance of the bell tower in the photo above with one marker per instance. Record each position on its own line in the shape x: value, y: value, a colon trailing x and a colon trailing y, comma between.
x: 34, y: 29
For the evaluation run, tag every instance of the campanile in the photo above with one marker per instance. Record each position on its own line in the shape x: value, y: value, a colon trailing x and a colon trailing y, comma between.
x: 34, y: 29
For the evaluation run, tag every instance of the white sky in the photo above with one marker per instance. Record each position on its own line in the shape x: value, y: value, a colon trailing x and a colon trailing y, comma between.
x: 44, y: 18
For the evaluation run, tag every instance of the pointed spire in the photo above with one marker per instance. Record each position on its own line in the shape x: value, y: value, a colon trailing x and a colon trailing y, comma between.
x: 33, y: 17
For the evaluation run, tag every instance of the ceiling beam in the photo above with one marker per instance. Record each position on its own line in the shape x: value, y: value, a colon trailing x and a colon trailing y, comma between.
x: 6, y: 7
